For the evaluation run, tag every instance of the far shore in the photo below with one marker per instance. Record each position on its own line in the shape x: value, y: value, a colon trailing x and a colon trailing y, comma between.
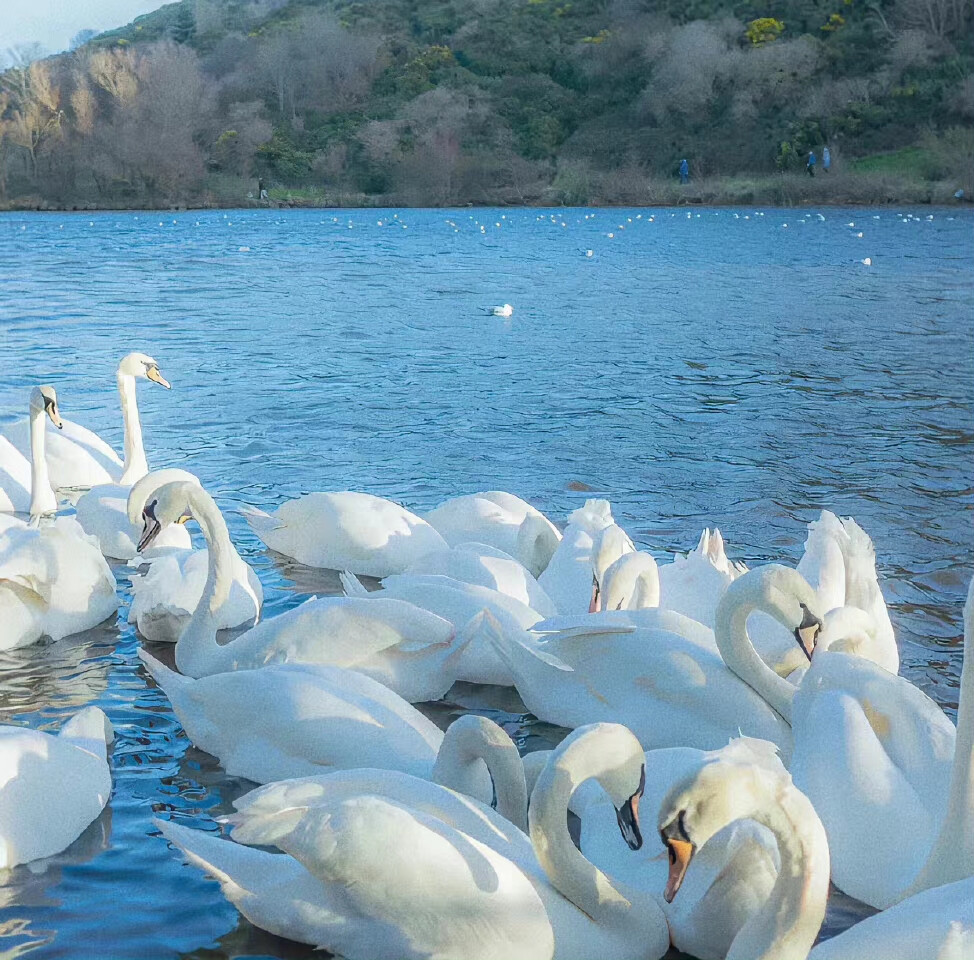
x: 774, y: 190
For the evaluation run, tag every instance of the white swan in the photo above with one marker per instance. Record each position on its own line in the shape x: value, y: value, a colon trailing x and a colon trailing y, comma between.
x: 730, y: 877
x: 471, y: 744
x: 874, y: 754
x: 30, y: 492
x: 630, y: 582
x: 53, y: 582
x: 51, y: 787
x: 938, y: 922
x: 459, y: 603
x: 568, y: 577
x: 79, y: 458
x: 346, y: 531
x: 295, y: 719
x: 663, y: 677
x: 411, y: 650
x: 486, y: 566
x: 699, y: 806
x: 693, y: 584
x: 500, y: 520
x: 165, y: 596
x: 839, y: 563
x: 105, y: 513
x: 375, y: 877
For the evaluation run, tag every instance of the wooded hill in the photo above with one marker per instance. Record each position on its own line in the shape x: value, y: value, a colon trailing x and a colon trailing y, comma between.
x: 497, y: 101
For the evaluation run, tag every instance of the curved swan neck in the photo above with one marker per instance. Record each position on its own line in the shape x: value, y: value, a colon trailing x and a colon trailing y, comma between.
x: 737, y: 650
x: 588, y: 754
x: 471, y: 739
x: 197, y: 647
x: 136, y: 466
x: 42, y: 499
x: 952, y: 855
x: 788, y: 923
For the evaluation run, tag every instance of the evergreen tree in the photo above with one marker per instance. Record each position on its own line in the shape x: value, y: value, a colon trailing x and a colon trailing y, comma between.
x: 184, y: 26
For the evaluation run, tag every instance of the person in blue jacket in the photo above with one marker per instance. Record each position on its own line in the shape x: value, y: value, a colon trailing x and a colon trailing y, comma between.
x: 684, y: 172
x: 810, y: 165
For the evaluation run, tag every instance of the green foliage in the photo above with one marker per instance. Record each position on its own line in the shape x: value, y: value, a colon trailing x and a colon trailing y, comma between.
x: 764, y: 30
x: 281, y: 159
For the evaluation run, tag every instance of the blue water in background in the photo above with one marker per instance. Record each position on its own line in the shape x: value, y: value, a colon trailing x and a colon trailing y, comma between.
x: 741, y: 368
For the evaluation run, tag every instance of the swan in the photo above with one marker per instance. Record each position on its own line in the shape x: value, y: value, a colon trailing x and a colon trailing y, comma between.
x: 346, y: 531
x: 839, y: 563
x: 703, y: 803
x: 411, y: 650
x: 873, y: 753
x: 53, y: 582
x: 664, y: 678
x: 486, y: 566
x: 630, y: 582
x: 501, y: 520
x: 376, y: 877
x: 51, y: 787
x: 470, y: 744
x: 938, y: 922
x: 80, y: 458
x: 25, y: 485
x: 693, y: 584
x: 295, y: 719
x: 104, y: 513
x: 732, y: 874
x: 459, y: 603
x: 165, y: 595
x: 567, y: 579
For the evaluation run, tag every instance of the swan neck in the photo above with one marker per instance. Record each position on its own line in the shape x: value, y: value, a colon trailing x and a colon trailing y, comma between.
x: 42, y: 498
x: 458, y: 762
x: 952, y: 855
x: 738, y: 652
x: 135, y: 465
x: 570, y: 873
x: 197, y: 651
x: 788, y: 923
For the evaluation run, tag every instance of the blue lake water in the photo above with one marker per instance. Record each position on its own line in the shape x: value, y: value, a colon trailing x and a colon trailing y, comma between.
x: 734, y: 367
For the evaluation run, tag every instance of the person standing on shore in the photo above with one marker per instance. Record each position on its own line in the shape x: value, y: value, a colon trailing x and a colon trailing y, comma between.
x: 684, y: 171
x: 826, y: 159
x: 810, y: 165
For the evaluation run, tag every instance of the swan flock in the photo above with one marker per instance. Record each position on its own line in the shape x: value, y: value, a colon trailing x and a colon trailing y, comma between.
x: 738, y: 739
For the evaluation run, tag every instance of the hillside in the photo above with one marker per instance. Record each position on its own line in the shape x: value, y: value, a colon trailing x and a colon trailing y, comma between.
x: 498, y: 101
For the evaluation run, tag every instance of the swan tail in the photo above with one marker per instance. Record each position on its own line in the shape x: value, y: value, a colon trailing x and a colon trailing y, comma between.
x: 261, y: 522
x: 352, y: 585
x: 238, y: 869
x: 169, y: 681
x: 89, y: 729
x: 486, y: 626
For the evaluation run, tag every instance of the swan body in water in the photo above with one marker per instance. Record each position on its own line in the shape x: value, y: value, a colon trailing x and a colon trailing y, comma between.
x: 500, y: 520
x: 53, y: 579
x: 414, y: 871
x: 873, y: 753
x: 352, y: 531
x: 77, y: 457
x: 51, y: 787
x: 413, y: 651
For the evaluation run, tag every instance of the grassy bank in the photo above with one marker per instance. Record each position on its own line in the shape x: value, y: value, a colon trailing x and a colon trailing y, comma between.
x: 874, y: 186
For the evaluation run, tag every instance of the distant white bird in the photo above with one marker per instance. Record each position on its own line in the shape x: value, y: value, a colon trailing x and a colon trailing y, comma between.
x: 505, y: 311
x: 868, y: 262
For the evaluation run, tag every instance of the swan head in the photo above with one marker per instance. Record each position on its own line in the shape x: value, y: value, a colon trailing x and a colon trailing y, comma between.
x: 609, y: 753
x: 44, y: 400
x: 143, y: 366
x: 631, y: 583
x: 703, y: 803
x: 781, y: 592
x: 169, y: 504
x: 144, y: 488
